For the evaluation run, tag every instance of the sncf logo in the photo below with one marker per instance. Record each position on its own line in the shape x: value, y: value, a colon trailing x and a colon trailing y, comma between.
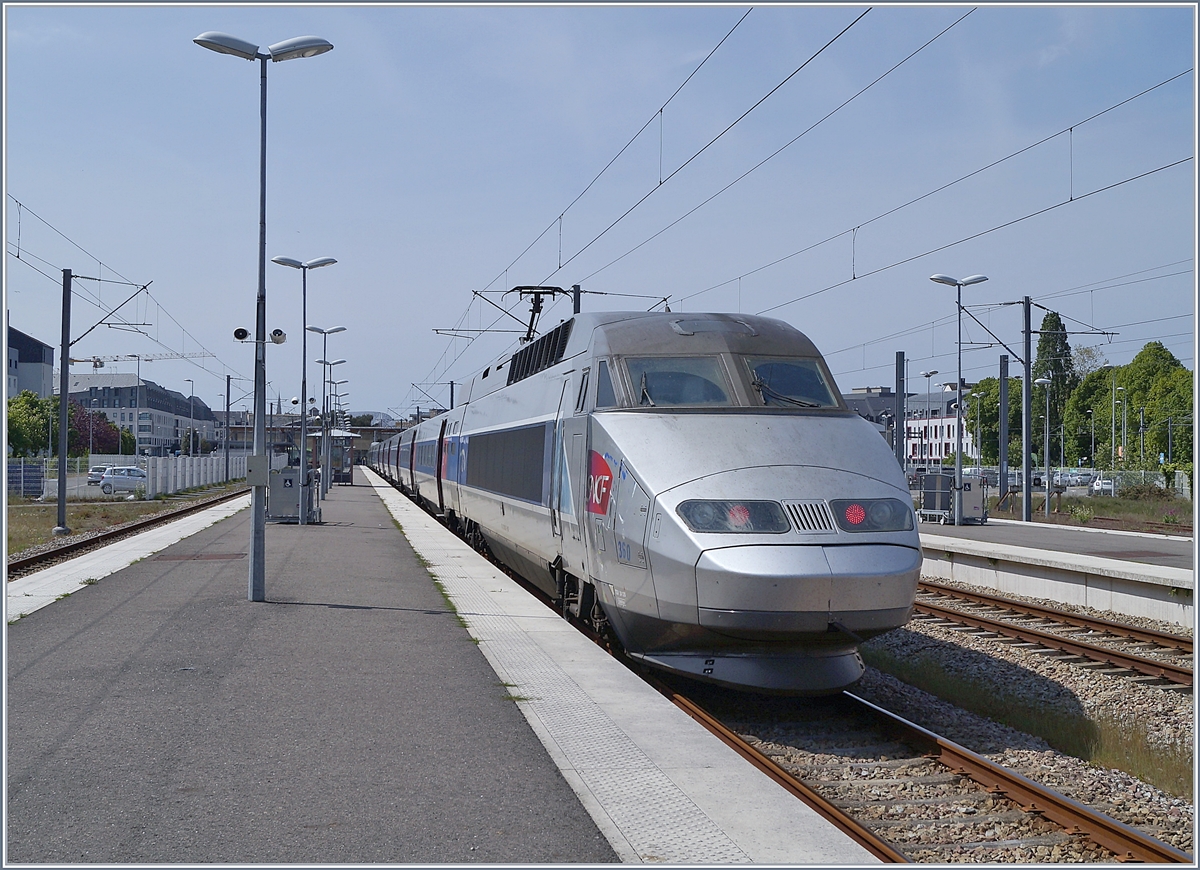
x: 600, y: 478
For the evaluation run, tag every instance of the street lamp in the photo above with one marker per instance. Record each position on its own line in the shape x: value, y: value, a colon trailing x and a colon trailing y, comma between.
x: 1045, y: 382
x: 928, y: 414
x: 1125, y: 426
x: 191, y: 408
x: 324, y: 333
x: 1092, y: 419
x: 325, y: 453
x: 1113, y: 417
x: 300, y: 46
x: 304, y: 267
x: 958, y: 285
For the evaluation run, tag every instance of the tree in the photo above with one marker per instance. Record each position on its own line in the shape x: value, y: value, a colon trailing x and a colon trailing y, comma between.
x: 90, y: 429
x: 1088, y: 360
x: 32, y: 424
x: 361, y: 419
x: 128, y: 442
x: 984, y: 404
x: 1054, y: 361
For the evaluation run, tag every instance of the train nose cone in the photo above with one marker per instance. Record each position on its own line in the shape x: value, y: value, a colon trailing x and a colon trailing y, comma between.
x: 803, y: 590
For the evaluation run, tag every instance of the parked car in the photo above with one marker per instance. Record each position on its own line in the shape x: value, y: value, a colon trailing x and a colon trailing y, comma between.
x: 122, y: 479
x: 1103, y: 486
x: 95, y: 473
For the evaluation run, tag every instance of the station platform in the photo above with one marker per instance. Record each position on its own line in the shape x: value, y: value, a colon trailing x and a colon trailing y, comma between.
x: 157, y: 716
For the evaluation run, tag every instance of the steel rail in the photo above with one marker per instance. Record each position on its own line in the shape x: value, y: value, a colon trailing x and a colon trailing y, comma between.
x: 1124, y: 841
x: 1162, y: 638
x: 1129, y: 661
x: 848, y: 825
x: 30, y: 563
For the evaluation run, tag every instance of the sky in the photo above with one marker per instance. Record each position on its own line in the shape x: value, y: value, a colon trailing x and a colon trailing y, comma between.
x: 812, y: 163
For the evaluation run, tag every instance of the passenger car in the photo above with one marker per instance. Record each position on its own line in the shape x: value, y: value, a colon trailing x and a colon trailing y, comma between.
x: 1103, y: 486
x: 95, y: 473
x: 122, y: 479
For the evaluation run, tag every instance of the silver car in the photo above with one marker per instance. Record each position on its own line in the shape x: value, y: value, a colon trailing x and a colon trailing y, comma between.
x: 95, y: 473
x: 122, y: 479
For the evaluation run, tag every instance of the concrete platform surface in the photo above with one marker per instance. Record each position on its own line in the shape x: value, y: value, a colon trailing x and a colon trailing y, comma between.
x: 1161, y: 550
x: 157, y: 716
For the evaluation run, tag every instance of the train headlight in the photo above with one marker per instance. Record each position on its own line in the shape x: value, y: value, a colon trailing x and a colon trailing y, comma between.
x: 872, y: 515
x: 734, y: 516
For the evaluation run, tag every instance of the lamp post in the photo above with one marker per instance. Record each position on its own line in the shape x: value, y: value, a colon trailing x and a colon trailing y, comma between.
x: 191, y: 407
x: 926, y: 433
x: 300, y: 46
x: 325, y: 454
x: 1045, y: 382
x: 137, y: 401
x: 304, y: 267
x: 1113, y: 418
x: 958, y: 285
x: 1092, y: 420
x: 1125, y: 426
x: 324, y: 333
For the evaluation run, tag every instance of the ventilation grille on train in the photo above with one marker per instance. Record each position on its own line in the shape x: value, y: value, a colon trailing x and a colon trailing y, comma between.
x: 541, y: 354
x: 810, y: 516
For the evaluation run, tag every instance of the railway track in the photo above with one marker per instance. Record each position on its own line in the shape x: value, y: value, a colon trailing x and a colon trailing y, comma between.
x: 27, y: 565
x: 1083, y: 639
x: 908, y: 795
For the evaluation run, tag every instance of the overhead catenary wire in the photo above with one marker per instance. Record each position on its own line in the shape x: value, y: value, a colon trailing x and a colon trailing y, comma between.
x: 925, y: 195
x: 708, y: 145
x: 765, y: 160
x: 94, y: 299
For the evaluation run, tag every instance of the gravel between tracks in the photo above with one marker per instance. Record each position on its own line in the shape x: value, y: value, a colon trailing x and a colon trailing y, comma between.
x: 1166, y: 717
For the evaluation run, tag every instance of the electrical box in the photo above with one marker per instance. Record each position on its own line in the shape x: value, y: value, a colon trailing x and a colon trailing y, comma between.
x: 257, y: 468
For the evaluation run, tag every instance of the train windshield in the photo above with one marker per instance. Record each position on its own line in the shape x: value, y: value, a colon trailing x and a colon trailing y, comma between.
x: 790, y: 383
x: 677, y: 380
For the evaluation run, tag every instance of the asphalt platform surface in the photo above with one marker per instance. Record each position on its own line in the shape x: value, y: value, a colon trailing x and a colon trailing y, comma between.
x: 160, y: 717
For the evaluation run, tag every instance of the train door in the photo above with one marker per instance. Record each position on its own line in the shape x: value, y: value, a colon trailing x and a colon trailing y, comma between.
x: 412, y: 460
x: 437, y: 467
x: 557, y: 478
x: 451, y: 475
x: 572, y: 473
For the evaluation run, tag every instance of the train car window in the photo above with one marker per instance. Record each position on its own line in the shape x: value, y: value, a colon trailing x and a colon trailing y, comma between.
x: 794, y: 383
x: 673, y: 380
x: 605, y: 396
x: 581, y: 399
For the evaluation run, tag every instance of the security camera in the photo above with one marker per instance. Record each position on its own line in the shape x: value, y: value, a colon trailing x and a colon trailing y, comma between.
x: 278, y: 336
x: 295, y: 400
x: 241, y: 333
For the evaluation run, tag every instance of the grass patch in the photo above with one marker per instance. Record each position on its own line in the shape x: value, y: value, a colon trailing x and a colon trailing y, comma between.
x: 1141, y: 514
x: 30, y: 524
x: 1103, y: 741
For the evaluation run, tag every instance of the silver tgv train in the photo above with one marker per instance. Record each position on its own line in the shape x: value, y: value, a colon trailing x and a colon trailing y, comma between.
x: 693, y: 481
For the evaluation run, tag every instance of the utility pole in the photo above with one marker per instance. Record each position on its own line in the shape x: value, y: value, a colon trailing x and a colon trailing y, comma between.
x: 1027, y: 422
x: 1003, y: 439
x: 901, y: 424
x: 228, y: 378
x: 64, y: 386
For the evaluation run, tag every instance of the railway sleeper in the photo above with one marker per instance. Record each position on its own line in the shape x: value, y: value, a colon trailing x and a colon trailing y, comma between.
x: 945, y: 821
x: 1046, y: 840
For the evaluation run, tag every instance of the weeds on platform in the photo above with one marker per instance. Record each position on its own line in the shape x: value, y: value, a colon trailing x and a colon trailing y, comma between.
x: 1101, y: 740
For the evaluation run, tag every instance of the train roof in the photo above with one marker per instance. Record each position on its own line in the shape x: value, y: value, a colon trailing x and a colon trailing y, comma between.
x: 647, y: 333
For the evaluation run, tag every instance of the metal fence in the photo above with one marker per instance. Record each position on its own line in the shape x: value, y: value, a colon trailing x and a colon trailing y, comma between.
x: 26, y: 477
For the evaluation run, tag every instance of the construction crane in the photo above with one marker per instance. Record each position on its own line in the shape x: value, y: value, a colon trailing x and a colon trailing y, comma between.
x: 99, y: 361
